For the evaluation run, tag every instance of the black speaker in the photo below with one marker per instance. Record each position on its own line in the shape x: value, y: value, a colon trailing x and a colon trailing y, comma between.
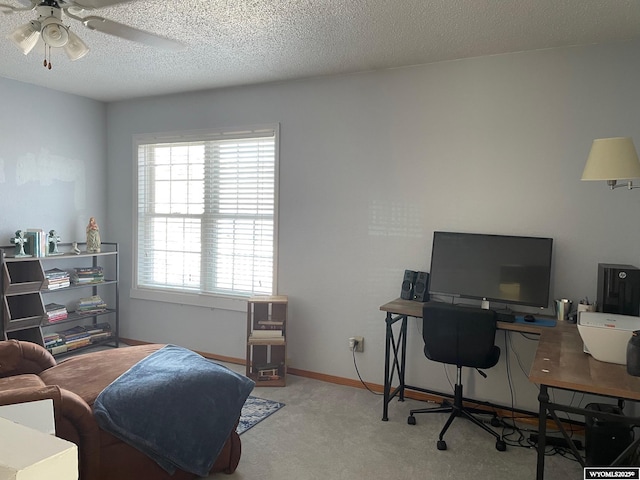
x: 421, y: 287
x: 407, y: 284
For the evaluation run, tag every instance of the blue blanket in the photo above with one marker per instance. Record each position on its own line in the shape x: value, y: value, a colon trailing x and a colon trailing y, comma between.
x: 175, y: 406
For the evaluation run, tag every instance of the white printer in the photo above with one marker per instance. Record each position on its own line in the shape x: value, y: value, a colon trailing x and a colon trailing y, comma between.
x: 605, y: 335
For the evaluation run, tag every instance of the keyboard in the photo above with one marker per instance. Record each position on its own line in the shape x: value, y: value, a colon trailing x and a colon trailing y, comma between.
x: 505, y: 317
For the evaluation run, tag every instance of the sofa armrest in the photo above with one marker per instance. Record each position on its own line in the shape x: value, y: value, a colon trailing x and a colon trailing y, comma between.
x: 18, y: 357
x: 73, y: 419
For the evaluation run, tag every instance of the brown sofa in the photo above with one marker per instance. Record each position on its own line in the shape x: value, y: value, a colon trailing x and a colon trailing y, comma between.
x: 28, y: 372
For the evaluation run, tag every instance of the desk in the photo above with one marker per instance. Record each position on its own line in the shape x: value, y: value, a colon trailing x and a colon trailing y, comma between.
x: 560, y: 362
x: 400, y: 310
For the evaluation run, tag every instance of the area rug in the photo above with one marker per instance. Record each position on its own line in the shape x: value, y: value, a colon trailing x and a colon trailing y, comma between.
x: 254, y: 411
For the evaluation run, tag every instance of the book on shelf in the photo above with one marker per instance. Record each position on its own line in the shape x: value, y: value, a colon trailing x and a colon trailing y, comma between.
x: 76, y: 337
x: 36, y: 244
x: 30, y: 244
x: 99, y: 327
x: 55, y: 312
x: 266, y: 340
x: 82, y: 342
x: 91, y: 305
x: 55, y: 307
x: 266, y: 366
x: 56, y: 273
x: 83, y: 275
x: 57, y: 349
x: 56, y: 284
x: 87, y: 270
x: 55, y: 278
x: 74, y: 333
x: 99, y: 337
x: 266, y: 333
x: 53, y: 340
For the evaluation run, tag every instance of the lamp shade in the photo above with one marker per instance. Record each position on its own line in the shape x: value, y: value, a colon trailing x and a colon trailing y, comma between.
x: 26, y: 36
x: 75, y: 48
x: 612, y: 159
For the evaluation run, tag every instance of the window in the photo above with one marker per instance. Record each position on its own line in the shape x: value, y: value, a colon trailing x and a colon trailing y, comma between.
x: 206, y: 217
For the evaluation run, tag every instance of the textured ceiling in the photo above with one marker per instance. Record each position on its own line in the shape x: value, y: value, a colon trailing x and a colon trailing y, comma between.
x: 238, y: 42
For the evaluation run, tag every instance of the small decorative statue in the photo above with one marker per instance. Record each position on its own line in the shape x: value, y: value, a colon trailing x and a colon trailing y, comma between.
x: 93, y: 236
x: 74, y: 248
x: 53, y: 239
x: 19, y: 240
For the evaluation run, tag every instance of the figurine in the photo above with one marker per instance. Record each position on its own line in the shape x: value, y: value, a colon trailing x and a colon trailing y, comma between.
x: 74, y: 248
x: 19, y: 240
x: 54, y: 239
x: 93, y: 236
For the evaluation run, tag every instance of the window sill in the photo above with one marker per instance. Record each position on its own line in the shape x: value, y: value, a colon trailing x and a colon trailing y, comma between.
x: 236, y: 304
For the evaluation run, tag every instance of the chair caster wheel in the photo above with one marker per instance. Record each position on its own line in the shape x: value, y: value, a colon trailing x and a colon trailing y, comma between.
x: 495, y: 422
x: 411, y: 420
x: 442, y: 445
x: 501, y: 446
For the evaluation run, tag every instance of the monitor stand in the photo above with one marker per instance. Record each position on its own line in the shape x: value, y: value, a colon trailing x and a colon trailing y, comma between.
x: 503, y: 315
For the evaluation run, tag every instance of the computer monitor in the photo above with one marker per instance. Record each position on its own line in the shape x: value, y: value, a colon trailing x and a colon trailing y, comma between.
x: 495, y: 268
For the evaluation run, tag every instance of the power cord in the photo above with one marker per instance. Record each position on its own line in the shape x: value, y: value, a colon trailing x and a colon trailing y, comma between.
x: 355, y: 364
x: 514, y: 435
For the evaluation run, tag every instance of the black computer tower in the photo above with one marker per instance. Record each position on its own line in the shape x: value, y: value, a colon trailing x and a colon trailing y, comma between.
x: 605, y: 440
x: 618, y: 289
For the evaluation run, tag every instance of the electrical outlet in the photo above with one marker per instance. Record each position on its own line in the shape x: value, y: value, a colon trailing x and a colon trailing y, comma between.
x: 356, y: 344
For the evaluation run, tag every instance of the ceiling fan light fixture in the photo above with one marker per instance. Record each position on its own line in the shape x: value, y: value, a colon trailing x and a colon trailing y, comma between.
x: 54, y: 34
x: 26, y: 36
x: 75, y: 47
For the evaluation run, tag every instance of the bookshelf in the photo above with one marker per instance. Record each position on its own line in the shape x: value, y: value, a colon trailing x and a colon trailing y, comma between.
x: 266, y: 360
x: 66, y: 302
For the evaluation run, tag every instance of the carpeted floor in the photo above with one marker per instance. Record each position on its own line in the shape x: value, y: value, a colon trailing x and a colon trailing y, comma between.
x: 334, y: 432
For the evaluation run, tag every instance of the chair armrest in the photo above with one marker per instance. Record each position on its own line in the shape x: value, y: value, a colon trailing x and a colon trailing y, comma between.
x: 18, y: 357
x: 73, y: 419
x: 29, y: 394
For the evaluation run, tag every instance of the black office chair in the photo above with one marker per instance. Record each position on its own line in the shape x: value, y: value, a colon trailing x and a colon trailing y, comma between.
x: 464, y: 337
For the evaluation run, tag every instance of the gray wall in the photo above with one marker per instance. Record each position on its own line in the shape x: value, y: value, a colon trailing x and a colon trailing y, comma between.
x: 371, y: 164
x: 53, y: 156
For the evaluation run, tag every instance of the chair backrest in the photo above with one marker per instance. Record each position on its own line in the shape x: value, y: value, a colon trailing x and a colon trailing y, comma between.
x: 459, y: 335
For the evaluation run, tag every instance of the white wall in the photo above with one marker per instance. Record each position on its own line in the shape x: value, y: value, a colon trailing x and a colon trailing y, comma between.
x: 52, y: 161
x: 371, y: 164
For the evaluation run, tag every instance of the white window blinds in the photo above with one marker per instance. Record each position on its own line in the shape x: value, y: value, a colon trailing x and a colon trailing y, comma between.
x: 206, y: 218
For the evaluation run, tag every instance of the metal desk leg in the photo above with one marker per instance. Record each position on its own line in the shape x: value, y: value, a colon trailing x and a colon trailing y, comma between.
x: 392, y: 364
x: 387, y: 373
x: 543, y: 400
x: 403, y: 354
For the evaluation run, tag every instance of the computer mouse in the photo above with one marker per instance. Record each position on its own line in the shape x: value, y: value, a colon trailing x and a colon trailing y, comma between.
x: 529, y: 318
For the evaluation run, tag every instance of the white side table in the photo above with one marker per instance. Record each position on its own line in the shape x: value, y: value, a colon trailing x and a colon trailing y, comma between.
x: 28, y: 454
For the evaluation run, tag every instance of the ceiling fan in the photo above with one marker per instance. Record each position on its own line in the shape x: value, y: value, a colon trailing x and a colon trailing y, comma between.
x: 50, y: 28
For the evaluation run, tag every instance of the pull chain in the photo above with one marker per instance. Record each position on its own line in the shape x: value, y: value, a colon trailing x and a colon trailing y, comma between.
x: 47, y: 52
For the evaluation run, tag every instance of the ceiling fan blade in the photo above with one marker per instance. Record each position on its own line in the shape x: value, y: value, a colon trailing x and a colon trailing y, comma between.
x: 27, y: 5
x: 90, y: 4
x: 124, y: 31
